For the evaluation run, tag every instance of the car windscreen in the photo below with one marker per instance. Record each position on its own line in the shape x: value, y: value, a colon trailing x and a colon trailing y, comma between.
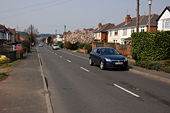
x: 109, y: 51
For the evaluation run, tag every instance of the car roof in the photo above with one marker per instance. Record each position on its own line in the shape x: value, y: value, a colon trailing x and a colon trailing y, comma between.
x: 103, y: 48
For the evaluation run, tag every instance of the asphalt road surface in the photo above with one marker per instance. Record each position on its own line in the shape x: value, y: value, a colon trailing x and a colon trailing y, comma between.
x: 77, y: 87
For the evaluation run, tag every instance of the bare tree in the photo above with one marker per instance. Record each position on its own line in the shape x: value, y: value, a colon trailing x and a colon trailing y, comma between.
x: 33, y: 33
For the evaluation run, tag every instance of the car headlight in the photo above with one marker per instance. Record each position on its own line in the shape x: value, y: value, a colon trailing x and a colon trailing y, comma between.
x: 108, y: 60
x: 125, y: 59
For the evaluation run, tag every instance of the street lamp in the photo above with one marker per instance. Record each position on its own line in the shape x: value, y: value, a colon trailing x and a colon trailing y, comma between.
x: 149, y: 19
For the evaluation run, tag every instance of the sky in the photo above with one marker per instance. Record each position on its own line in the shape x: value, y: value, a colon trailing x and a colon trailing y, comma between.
x: 50, y: 16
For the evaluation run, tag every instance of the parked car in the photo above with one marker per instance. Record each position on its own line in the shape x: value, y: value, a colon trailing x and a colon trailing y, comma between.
x: 55, y: 46
x: 40, y: 45
x: 107, y: 58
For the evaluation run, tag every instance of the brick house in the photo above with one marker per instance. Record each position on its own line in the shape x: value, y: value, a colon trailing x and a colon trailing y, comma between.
x: 101, y: 33
x: 121, y: 33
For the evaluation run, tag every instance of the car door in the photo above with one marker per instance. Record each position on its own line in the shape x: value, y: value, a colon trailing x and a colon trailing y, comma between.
x: 98, y: 56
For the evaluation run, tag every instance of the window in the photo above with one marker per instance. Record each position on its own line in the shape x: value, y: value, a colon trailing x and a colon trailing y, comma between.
x: 110, y: 33
x: 167, y: 24
x: 142, y: 29
x: 116, y: 33
x: 132, y: 30
x: 124, y: 32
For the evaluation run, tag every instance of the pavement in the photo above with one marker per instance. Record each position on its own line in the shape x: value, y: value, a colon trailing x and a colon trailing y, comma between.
x: 23, y: 90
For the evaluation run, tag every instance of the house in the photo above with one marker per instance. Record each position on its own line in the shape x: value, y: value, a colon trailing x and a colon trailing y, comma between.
x: 164, y: 20
x: 12, y: 34
x: 121, y: 33
x: 5, y: 34
x: 101, y: 33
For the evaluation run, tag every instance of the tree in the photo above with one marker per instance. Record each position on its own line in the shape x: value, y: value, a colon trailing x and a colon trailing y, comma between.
x: 33, y: 33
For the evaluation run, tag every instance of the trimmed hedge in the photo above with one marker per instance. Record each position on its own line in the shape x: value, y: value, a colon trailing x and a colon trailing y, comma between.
x: 150, y: 46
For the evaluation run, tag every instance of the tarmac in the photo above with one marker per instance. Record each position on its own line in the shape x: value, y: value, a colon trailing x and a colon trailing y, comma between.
x: 23, y: 91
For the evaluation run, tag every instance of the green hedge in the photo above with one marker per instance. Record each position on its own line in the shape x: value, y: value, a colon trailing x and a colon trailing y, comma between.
x: 150, y: 46
x: 78, y: 45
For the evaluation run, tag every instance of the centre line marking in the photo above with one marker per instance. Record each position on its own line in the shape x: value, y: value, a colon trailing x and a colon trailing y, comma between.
x: 84, y: 69
x: 126, y: 90
x: 61, y: 56
x: 68, y: 61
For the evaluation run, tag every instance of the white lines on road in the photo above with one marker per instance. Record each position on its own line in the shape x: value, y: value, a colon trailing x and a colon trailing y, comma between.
x: 85, y: 69
x: 61, y: 56
x: 69, y: 61
x: 126, y: 90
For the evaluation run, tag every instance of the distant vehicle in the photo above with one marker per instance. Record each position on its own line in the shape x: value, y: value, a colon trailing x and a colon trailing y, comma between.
x: 55, y: 46
x: 40, y: 45
x: 107, y: 58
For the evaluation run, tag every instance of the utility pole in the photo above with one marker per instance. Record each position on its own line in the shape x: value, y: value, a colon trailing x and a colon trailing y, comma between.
x: 137, y: 17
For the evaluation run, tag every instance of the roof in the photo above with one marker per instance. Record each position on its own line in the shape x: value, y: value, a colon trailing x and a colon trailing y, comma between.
x: 166, y: 8
x: 104, y: 28
x: 2, y: 27
x: 13, y: 31
x: 143, y: 21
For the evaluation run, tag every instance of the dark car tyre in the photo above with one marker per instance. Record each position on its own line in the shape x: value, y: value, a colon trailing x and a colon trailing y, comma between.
x: 91, y: 62
x: 102, y: 65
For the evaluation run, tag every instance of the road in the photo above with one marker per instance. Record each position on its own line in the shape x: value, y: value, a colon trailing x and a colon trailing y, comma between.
x: 76, y: 87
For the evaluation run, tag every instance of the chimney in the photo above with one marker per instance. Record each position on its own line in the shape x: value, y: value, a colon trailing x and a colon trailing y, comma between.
x: 127, y: 19
x: 99, y: 25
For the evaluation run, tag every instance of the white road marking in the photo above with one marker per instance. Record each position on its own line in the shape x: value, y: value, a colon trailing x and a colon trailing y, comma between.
x: 68, y: 61
x: 56, y: 54
x: 85, y: 69
x: 126, y: 90
x: 61, y: 56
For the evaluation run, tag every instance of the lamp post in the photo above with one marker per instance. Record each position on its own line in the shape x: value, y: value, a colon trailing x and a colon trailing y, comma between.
x: 149, y: 19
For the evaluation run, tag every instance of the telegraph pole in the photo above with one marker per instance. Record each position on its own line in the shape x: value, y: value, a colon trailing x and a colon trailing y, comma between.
x: 137, y: 17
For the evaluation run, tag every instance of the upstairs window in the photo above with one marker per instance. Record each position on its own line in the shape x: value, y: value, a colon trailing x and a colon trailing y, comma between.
x: 132, y: 30
x: 124, y: 32
x: 167, y: 24
x: 116, y: 33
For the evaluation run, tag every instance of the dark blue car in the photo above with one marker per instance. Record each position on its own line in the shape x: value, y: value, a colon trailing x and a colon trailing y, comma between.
x: 107, y: 58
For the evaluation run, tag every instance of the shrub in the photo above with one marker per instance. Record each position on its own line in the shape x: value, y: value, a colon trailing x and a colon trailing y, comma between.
x: 68, y: 45
x: 4, y: 59
x: 60, y: 43
x: 154, y: 65
x: 150, y: 46
x: 88, y: 47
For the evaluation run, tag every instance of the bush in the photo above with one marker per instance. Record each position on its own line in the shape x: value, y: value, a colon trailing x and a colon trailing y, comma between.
x: 88, y: 47
x: 67, y: 45
x: 60, y: 44
x: 154, y: 65
x: 4, y: 59
x: 150, y: 46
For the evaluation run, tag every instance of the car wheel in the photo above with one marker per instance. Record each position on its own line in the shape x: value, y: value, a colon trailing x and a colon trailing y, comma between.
x: 91, y: 62
x: 102, y: 65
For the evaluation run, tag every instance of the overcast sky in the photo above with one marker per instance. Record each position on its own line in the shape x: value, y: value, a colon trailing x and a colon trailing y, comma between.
x: 51, y: 15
